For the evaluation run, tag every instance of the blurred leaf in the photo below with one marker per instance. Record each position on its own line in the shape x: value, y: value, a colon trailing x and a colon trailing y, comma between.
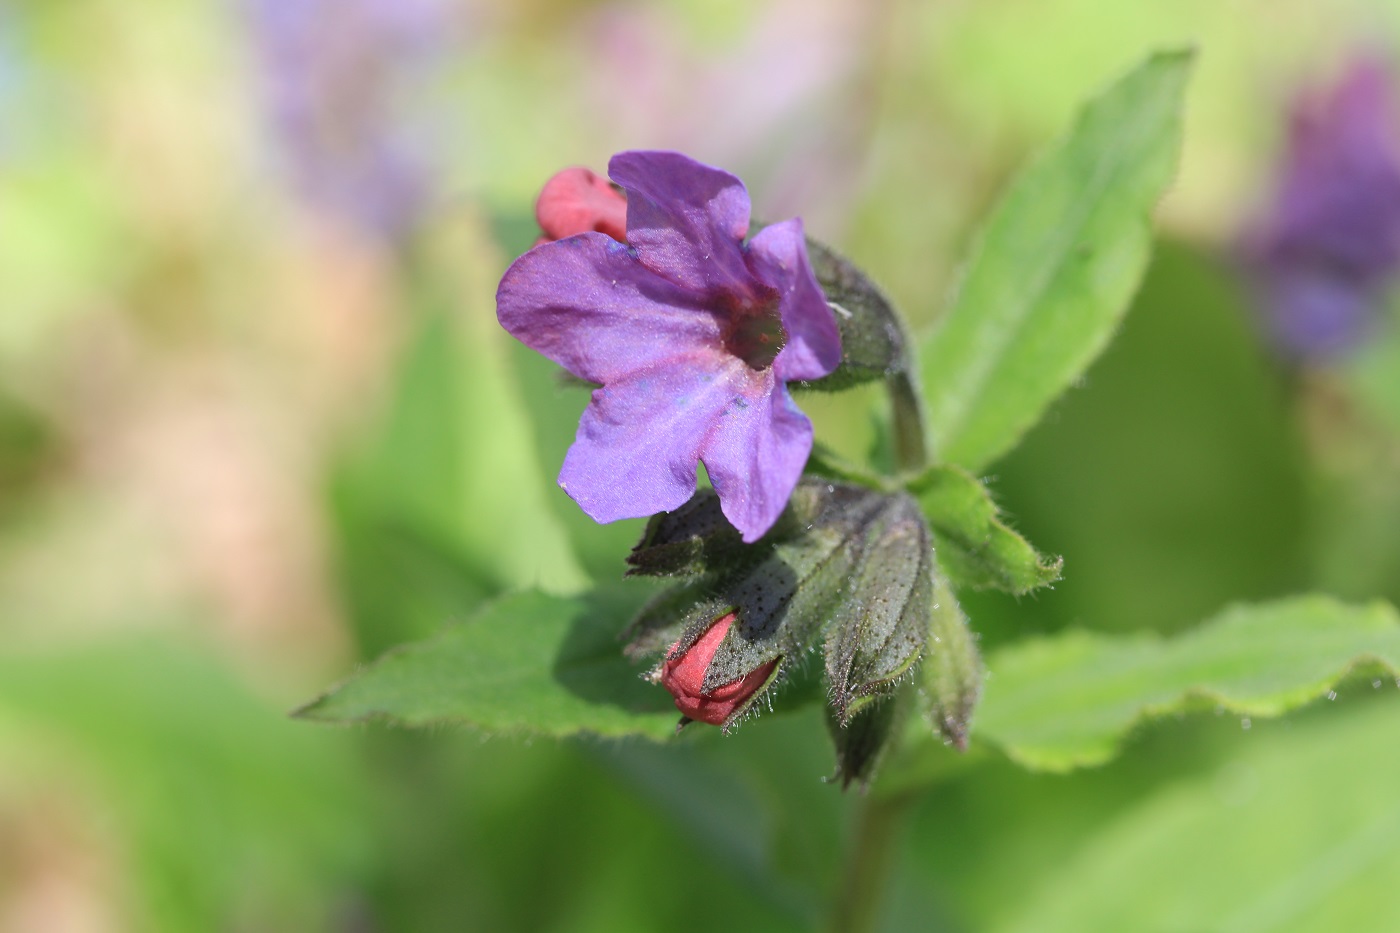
x: 1373, y: 373
x: 1352, y: 416
x: 554, y: 407
x: 443, y: 504
x: 974, y: 547
x: 1173, y: 481
x: 223, y: 808
x: 62, y: 243
x: 1060, y: 703
x: 715, y: 805
x: 533, y: 663
x: 1055, y: 267
x: 29, y: 446
x: 1297, y: 835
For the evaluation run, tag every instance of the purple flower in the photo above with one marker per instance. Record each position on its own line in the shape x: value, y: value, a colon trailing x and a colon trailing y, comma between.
x: 1330, y: 243
x: 692, y: 333
x: 335, y: 72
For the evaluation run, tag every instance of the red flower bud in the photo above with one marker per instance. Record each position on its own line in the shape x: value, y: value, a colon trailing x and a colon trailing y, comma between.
x: 577, y: 200
x: 684, y: 675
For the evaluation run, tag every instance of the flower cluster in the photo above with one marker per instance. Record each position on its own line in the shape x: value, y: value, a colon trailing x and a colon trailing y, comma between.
x: 651, y: 286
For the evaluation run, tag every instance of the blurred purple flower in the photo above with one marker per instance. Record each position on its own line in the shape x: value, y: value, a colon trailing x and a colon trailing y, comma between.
x: 335, y: 75
x: 1329, y: 246
x: 692, y: 333
x: 799, y: 71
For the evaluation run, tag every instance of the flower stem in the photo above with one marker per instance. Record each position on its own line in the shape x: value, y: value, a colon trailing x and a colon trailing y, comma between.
x: 910, y: 446
x: 870, y: 862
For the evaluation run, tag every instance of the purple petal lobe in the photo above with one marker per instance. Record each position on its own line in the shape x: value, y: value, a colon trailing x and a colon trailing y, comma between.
x: 686, y: 220
x: 778, y: 257
x: 586, y: 303
x: 640, y: 438
x: 755, y: 457
x: 1319, y: 313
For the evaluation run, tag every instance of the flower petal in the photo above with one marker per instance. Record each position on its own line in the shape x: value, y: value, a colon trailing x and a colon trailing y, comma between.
x: 686, y: 220
x: 639, y: 440
x: 778, y: 256
x: 588, y: 304
x: 755, y: 458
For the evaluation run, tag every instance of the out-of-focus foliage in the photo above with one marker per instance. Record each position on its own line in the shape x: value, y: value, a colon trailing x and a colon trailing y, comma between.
x: 1066, y: 701
x: 1260, y: 841
x: 217, y: 805
x: 1054, y: 269
x: 1184, y: 427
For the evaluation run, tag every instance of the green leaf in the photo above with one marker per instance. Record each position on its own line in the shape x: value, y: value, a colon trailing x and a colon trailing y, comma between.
x: 1296, y: 834
x: 1054, y: 268
x: 1183, y: 483
x: 527, y: 663
x: 1064, y: 702
x: 974, y: 547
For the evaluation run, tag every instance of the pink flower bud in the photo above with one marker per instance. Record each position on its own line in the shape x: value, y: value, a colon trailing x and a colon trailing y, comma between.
x: 684, y: 675
x: 577, y: 200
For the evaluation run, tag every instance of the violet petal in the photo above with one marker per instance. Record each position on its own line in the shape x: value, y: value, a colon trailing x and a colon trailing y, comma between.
x: 686, y: 220
x: 586, y: 303
x: 755, y: 457
x: 778, y: 256
x: 640, y: 438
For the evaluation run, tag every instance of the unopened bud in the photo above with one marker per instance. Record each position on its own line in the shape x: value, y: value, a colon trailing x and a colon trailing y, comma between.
x: 880, y: 628
x: 577, y: 200
x: 861, y: 742
x: 684, y: 674
x: 952, y: 672
x: 844, y: 562
x: 872, y: 339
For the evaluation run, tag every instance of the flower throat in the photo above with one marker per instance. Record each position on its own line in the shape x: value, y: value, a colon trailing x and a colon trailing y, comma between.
x: 755, y: 334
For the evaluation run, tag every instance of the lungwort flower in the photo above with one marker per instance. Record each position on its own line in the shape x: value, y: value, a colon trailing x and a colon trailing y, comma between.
x: 692, y: 332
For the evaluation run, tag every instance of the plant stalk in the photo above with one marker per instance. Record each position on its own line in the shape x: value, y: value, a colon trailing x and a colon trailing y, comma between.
x: 910, y: 444
x: 870, y: 862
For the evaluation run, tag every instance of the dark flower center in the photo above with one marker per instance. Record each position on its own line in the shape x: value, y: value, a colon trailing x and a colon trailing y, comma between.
x: 755, y: 334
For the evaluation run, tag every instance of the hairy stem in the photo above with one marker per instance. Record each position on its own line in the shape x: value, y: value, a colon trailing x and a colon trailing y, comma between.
x: 870, y: 862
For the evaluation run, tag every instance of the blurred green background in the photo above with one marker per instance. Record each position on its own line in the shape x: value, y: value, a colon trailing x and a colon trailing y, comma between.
x: 258, y: 424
